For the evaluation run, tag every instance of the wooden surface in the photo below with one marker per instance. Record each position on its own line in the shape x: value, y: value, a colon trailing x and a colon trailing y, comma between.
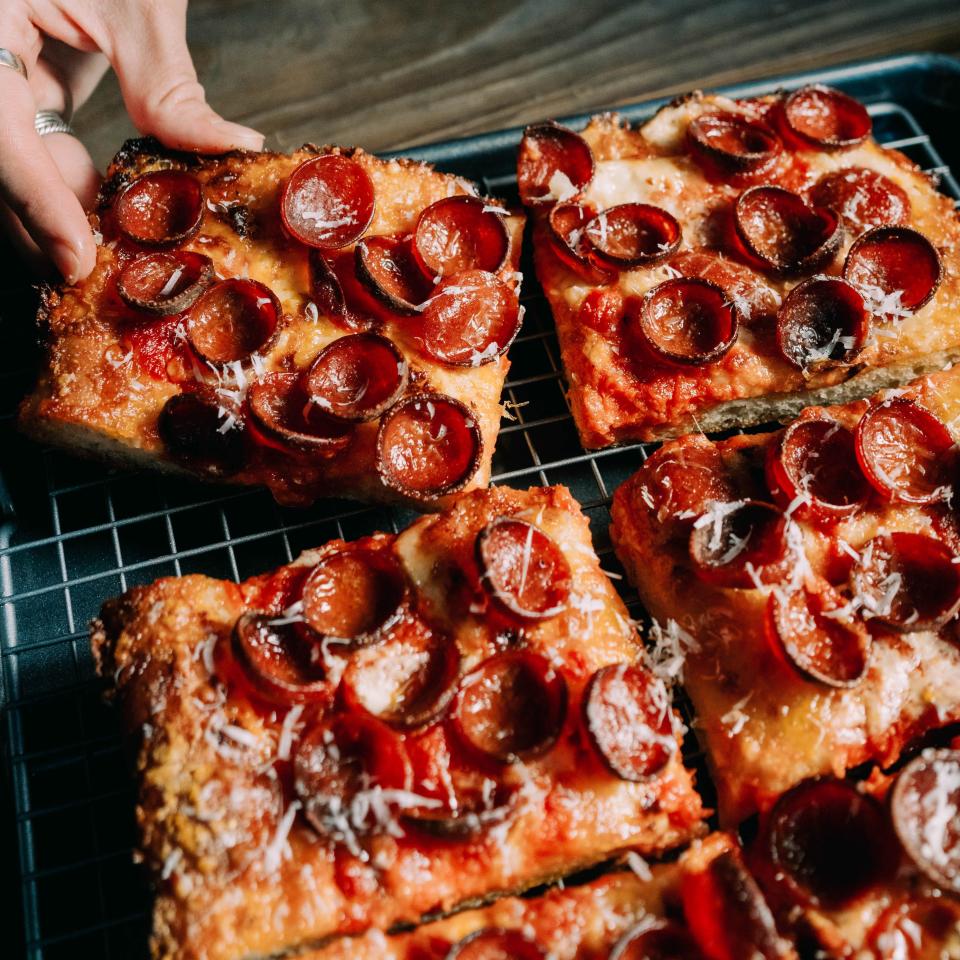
x: 390, y: 73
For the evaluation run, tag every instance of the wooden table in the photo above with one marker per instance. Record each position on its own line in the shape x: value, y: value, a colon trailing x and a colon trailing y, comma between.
x: 390, y: 73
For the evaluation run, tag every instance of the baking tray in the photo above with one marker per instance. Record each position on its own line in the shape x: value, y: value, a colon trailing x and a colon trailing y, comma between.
x: 73, y: 533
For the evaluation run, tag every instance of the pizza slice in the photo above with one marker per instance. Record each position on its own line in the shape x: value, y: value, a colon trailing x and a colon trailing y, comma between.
x: 732, y: 261
x: 389, y: 728
x: 812, y: 577
x: 322, y: 323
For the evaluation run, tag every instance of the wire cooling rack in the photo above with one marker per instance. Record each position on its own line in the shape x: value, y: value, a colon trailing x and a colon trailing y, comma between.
x: 80, y: 533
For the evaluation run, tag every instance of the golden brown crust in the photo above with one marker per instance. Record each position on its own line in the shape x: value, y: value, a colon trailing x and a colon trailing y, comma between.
x: 232, y: 882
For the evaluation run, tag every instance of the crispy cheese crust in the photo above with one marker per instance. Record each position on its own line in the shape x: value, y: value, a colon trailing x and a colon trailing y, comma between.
x: 615, y: 400
x: 96, y: 395
x: 239, y: 875
x: 765, y: 726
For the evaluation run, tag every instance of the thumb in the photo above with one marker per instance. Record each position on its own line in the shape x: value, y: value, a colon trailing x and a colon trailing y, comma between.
x: 159, y: 83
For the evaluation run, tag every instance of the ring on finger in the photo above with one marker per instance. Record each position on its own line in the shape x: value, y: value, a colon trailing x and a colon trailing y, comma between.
x: 12, y: 60
x: 49, y: 121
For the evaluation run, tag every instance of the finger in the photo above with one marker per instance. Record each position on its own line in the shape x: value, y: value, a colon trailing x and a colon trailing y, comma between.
x: 160, y: 87
x: 75, y: 166
x: 33, y: 188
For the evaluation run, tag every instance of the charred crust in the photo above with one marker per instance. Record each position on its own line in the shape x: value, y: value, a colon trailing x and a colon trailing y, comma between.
x: 681, y: 99
x: 49, y: 299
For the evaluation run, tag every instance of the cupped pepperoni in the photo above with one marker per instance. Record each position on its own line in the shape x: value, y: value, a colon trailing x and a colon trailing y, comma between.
x: 282, y: 416
x: 460, y: 233
x: 160, y: 209
x: 925, y: 805
x: 327, y: 289
x: 740, y: 544
x: 194, y: 433
x: 428, y: 446
x: 277, y: 662
x: 354, y: 595
x: 656, y: 939
x: 408, y: 682
x: 566, y: 224
x: 511, y: 707
x: 813, y: 467
x: 627, y: 715
x: 829, y: 843
x: 897, y: 268
x: 826, y: 118
x: 633, y: 235
x: 350, y: 758
x: 386, y: 268
x: 681, y: 478
x: 233, y: 319
x: 908, y: 581
x: 553, y: 164
x: 863, y: 197
x: 803, y: 626
x: 165, y: 283
x: 733, y: 143
x: 823, y: 323
x: 905, y: 451
x: 328, y: 202
x: 357, y: 377
x: 523, y: 569
x: 496, y: 943
x: 470, y: 320
x: 783, y: 232
x: 685, y: 320
x: 927, y: 928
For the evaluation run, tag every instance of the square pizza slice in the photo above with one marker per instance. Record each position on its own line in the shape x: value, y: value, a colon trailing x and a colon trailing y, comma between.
x: 812, y: 576
x: 732, y: 261
x: 323, y: 323
x: 389, y: 728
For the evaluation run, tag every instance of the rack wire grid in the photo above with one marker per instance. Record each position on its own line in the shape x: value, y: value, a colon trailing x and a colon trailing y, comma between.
x: 83, y: 533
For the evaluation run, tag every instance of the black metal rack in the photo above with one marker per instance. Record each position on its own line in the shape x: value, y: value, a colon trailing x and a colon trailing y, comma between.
x: 75, y: 533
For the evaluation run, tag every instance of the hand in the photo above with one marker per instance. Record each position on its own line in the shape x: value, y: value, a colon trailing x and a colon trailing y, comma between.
x: 66, y: 45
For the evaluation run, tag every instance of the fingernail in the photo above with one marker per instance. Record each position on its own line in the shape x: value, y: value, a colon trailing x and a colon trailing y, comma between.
x: 67, y: 262
x: 239, y: 135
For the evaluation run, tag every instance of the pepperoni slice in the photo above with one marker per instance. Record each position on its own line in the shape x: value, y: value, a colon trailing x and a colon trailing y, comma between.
x: 894, y: 264
x: 428, y: 445
x: 460, y: 233
x: 904, y: 451
x: 328, y: 202
x: 164, y: 283
x: 511, y: 707
x: 408, y: 682
x: 160, y: 209
x: 329, y: 296
x: 726, y: 912
x: 354, y: 595
x: 495, y: 943
x: 566, y: 223
x: 633, y: 235
x: 386, y: 268
x: 194, y: 433
x: 656, y: 939
x: 685, y: 320
x: 908, y: 581
x: 740, y: 544
x: 357, y: 377
x: 822, y: 647
x: 681, y: 478
x: 826, y: 118
x: 925, y: 805
x: 927, y: 928
x: 823, y: 323
x: 831, y: 842
x: 523, y: 569
x: 233, y: 319
x: 627, y: 714
x: 342, y: 760
x: 815, y: 460
x: 553, y: 164
x: 783, y: 232
x: 277, y: 662
x: 863, y: 197
x: 283, y: 416
x: 471, y: 320
x: 746, y: 288
x: 733, y: 143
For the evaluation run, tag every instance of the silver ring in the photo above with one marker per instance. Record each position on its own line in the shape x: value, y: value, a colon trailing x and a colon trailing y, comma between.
x: 49, y: 121
x: 9, y: 59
